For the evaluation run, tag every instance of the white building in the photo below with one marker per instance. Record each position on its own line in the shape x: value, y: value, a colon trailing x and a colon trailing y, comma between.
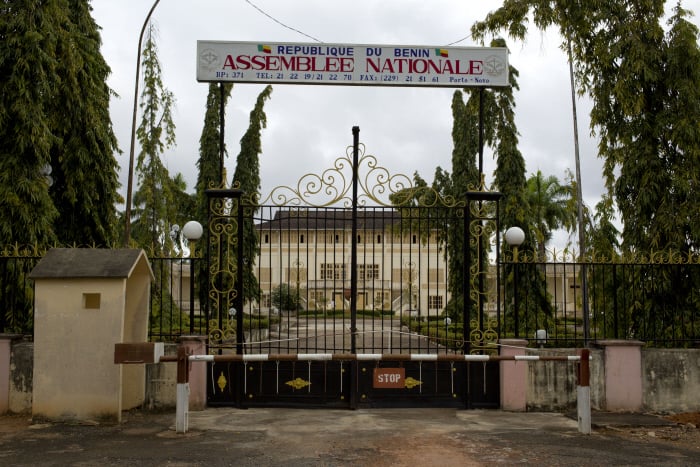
x: 399, y: 268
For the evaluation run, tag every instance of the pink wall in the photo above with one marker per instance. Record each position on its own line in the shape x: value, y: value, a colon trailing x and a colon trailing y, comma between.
x: 623, y: 375
x: 513, y: 379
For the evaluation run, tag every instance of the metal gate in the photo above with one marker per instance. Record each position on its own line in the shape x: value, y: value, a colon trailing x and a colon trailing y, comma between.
x: 342, y: 291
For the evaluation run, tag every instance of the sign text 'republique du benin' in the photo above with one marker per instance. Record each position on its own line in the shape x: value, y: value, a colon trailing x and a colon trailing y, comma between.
x: 344, y: 64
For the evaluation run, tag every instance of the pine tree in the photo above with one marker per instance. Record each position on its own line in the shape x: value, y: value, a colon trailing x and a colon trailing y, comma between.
x: 155, y: 134
x: 464, y: 178
x: 209, y: 162
x: 247, y: 178
x: 84, y: 167
x: 29, y: 32
x: 57, y: 164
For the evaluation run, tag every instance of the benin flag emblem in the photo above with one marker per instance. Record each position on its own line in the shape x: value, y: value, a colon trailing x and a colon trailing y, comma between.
x: 264, y: 48
x: 441, y: 52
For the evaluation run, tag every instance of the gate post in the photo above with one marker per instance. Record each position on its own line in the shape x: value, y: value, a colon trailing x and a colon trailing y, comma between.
x: 197, y: 375
x: 513, y: 379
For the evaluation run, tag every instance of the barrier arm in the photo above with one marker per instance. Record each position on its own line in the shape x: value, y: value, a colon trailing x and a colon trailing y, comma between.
x: 153, y: 353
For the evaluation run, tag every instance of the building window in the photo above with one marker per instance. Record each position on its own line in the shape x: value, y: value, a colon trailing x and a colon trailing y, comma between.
x: 331, y: 271
x: 379, y: 239
x: 265, y: 300
x: 301, y: 238
x: 414, y: 239
x: 367, y: 272
x: 435, y: 302
x: 267, y: 238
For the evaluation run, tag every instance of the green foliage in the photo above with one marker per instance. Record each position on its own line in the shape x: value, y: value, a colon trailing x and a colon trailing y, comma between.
x: 464, y: 177
x: 646, y: 105
x: 642, y: 79
x: 54, y: 119
x: 208, y: 175
x: 286, y: 298
x: 247, y: 178
x: 209, y: 162
x: 27, y: 70
x: 83, y: 159
x: 155, y: 201
x: 550, y: 208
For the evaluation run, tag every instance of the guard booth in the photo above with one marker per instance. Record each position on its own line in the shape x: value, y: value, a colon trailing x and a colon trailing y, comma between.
x: 86, y: 300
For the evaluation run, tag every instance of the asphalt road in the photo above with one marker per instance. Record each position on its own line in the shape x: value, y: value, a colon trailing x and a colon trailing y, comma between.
x: 296, y: 437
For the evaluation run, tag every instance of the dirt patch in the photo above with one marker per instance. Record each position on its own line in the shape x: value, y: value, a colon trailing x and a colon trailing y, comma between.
x: 688, y: 418
x: 684, y: 434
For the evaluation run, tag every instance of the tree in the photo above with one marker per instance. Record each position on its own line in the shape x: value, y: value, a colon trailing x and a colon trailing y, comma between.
x: 84, y: 167
x: 550, y: 209
x: 210, y: 152
x: 464, y: 177
x: 156, y: 132
x: 247, y: 178
x: 57, y: 167
x: 285, y: 298
x: 28, y: 66
x: 645, y: 110
x: 644, y: 105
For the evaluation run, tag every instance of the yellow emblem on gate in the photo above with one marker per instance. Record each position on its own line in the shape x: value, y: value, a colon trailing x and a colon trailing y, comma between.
x: 412, y: 382
x: 298, y: 383
x: 221, y: 382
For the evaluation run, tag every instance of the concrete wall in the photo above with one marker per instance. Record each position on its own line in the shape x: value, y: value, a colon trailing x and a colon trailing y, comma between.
x: 21, y: 377
x: 161, y: 382
x: 551, y: 385
x: 670, y: 381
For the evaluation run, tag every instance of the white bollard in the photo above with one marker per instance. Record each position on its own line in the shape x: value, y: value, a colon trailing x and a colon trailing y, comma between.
x: 584, y: 409
x: 182, y: 408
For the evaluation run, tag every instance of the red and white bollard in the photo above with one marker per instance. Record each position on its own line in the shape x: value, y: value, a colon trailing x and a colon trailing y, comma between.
x: 584, y: 394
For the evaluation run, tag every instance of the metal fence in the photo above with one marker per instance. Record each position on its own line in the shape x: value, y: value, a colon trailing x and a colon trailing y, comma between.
x: 654, y: 302
x: 657, y: 303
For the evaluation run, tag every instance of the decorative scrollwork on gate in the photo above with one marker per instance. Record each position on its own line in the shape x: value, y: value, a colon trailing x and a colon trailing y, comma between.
x: 223, y: 230
x: 376, y: 185
x: 221, y: 335
x: 483, y: 296
x: 483, y: 339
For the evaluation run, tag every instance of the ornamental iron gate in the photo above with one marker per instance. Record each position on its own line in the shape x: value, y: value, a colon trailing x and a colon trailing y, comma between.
x: 339, y: 292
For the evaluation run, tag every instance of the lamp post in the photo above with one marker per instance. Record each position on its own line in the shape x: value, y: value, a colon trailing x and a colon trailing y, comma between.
x: 192, y: 231
x: 515, y: 237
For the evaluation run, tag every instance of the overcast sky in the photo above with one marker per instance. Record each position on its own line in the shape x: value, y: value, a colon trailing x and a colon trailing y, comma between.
x: 407, y: 129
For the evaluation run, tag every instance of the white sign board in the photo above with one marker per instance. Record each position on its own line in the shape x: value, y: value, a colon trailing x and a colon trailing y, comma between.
x: 344, y: 64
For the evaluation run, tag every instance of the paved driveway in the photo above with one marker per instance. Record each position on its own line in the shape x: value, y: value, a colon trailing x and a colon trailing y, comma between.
x: 296, y: 437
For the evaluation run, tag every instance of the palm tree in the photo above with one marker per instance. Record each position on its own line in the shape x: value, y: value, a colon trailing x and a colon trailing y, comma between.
x: 550, y: 208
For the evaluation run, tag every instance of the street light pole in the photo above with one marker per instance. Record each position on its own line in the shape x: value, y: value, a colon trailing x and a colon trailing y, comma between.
x: 130, y: 181
x: 515, y: 236
x: 192, y: 231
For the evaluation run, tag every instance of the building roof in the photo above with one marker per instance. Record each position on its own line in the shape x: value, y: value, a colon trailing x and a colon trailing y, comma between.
x: 88, y: 263
x: 330, y: 219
